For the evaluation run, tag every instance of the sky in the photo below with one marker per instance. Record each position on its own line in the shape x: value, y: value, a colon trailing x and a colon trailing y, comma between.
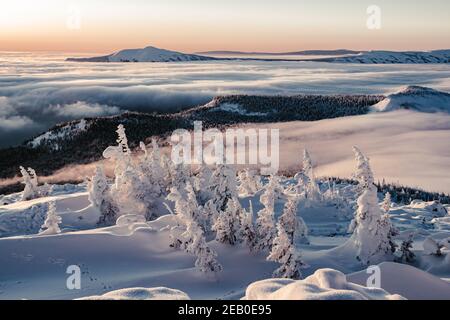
x: 198, y: 25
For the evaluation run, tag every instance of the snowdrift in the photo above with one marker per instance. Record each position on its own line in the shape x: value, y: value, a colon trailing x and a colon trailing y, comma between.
x: 160, y: 293
x: 416, y: 98
x: 407, y: 281
x: 324, y: 284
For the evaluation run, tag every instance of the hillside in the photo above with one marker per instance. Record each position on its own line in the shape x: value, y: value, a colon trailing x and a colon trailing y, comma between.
x: 394, y: 57
x: 147, y: 54
x: 83, y: 141
x: 416, y: 98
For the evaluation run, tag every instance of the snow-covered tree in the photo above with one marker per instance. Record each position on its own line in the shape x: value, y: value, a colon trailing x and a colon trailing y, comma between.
x: 228, y: 225
x: 265, y: 223
x: 284, y: 252
x: 407, y: 256
x: 210, y: 215
x: 363, y: 173
x: 249, y: 182
x: 202, y: 184
x: 187, y: 210
x: 51, y: 223
x: 247, y: 229
x: 294, y: 226
x: 181, y: 175
x: 206, y: 257
x: 432, y: 247
x: 100, y: 196
x: 151, y: 165
x: 29, y: 179
x: 387, y: 202
x: 312, y: 189
x: 224, y: 186
x: 370, y: 237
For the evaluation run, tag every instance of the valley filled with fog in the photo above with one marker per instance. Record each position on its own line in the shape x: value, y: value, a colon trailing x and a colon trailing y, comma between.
x: 39, y: 90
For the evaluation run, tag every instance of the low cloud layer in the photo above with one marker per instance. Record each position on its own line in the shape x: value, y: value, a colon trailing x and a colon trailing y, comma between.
x: 38, y: 91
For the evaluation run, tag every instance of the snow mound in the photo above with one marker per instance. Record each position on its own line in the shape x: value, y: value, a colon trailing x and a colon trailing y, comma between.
x: 324, y: 284
x: 160, y: 293
x: 436, y: 209
x: 147, y: 54
x: 416, y: 98
x: 407, y: 281
x: 394, y: 57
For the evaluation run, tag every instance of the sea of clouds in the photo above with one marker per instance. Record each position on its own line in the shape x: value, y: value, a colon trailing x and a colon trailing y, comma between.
x: 38, y: 91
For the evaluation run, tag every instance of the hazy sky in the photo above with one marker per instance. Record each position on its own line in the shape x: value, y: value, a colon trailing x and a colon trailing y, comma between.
x: 196, y: 25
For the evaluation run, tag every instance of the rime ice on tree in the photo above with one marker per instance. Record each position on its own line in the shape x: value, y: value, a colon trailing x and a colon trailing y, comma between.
x: 370, y: 239
x: 30, y: 181
x: 51, y: 223
x: 284, y: 252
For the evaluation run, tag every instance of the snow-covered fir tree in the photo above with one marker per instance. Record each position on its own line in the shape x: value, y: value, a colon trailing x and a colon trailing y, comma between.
x: 432, y: 247
x: 202, y: 184
x: 248, y: 232
x: 186, y: 210
x: 100, y: 197
x: 284, y: 252
x: 387, y: 203
x: 29, y: 179
x: 224, y: 186
x: 265, y: 223
x: 312, y: 190
x: 249, y: 182
x: 228, y: 225
x: 294, y: 226
x: 210, y: 215
x: 206, y: 260
x: 52, y: 221
x: 370, y: 239
x: 181, y: 175
x: 406, y: 255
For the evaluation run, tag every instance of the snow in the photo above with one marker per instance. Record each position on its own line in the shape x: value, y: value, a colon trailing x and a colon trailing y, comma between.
x: 235, y: 108
x: 407, y: 281
x: 51, y: 137
x: 391, y: 57
x: 416, y: 98
x: 324, y: 284
x: 147, y: 54
x: 160, y: 293
x: 135, y: 254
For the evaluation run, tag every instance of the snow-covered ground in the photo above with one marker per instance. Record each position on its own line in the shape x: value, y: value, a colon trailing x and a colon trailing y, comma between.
x: 138, y: 256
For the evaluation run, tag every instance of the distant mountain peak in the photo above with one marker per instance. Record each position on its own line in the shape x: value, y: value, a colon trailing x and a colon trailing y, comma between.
x: 147, y: 54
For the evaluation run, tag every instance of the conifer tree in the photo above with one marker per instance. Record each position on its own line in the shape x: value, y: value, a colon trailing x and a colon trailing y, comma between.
x: 52, y: 221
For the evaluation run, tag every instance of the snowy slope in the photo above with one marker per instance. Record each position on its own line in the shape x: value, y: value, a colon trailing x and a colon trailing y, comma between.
x: 51, y: 137
x: 416, y: 98
x: 138, y: 256
x: 147, y: 54
x: 405, y: 280
x: 394, y: 57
